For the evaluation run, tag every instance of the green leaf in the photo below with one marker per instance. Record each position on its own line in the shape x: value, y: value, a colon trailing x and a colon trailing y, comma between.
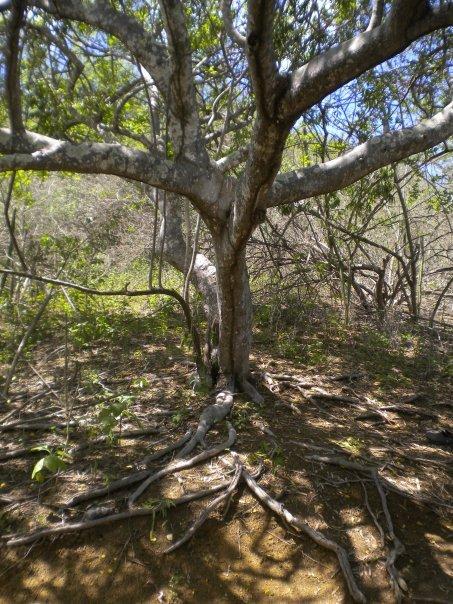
x: 53, y: 463
x: 37, y: 470
x: 50, y: 463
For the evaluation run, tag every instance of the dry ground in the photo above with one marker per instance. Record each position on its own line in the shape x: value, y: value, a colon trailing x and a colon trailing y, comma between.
x: 248, y: 556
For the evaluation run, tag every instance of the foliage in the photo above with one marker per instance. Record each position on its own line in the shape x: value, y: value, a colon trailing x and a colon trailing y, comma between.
x: 54, y: 461
x: 270, y: 453
x: 113, y: 412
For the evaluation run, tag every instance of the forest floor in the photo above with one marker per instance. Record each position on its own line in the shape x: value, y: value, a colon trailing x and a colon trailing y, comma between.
x: 248, y: 556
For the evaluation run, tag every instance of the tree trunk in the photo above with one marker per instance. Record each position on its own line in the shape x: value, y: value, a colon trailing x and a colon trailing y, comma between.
x: 235, y: 312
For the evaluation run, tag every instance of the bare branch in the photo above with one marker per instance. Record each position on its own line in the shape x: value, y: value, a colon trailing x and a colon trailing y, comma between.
x: 228, y: 20
x: 10, y: 224
x: 376, y: 15
x: 75, y: 64
x: 362, y: 160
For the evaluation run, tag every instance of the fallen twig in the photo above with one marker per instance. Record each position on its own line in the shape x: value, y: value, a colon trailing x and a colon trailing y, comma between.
x: 16, y: 453
x: 37, y: 426
x: 24, y: 406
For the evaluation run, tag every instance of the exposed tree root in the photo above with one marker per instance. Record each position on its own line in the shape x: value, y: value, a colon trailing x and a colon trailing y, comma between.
x: 271, y: 380
x: 207, y: 511
x: 210, y: 416
x: 173, y: 447
x: 358, y: 467
x: 182, y: 464
x: 398, y: 583
x: 15, y: 541
x: 401, y: 408
x: 315, y: 535
x: 116, y: 485
x: 372, y: 514
x: 248, y: 389
x: 322, y: 395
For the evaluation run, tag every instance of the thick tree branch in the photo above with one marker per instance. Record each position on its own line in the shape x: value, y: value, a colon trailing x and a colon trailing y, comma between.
x: 182, y: 100
x: 337, y: 66
x: 378, y: 152
x: 204, y: 186
x: 266, y: 80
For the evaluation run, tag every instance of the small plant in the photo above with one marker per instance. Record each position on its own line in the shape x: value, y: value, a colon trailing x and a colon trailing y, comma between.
x: 179, y: 416
x: 271, y: 453
x: 112, y: 413
x: 176, y: 580
x: 351, y: 444
x: 242, y: 414
x: 55, y: 460
x: 139, y: 383
x: 158, y: 506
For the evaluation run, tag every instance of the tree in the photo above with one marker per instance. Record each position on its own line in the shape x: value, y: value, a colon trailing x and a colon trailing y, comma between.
x: 171, y: 95
x: 172, y: 65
